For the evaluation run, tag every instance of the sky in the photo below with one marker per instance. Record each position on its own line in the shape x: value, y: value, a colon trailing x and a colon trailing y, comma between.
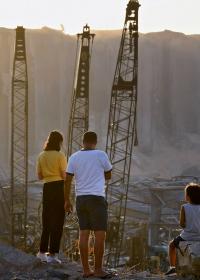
x: 154, y: 15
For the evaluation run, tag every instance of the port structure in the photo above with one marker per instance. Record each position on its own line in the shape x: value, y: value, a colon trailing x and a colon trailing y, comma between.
x: 19, y: 142
x: 122, y: 130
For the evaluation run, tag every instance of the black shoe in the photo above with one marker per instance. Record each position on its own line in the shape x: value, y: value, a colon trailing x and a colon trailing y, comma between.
x: 171, y: 272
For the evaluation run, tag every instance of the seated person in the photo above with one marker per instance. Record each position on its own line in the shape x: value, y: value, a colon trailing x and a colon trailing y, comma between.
x: 189, y: 221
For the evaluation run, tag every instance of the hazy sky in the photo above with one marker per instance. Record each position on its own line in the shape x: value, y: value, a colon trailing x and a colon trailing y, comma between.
x: 155, y: 15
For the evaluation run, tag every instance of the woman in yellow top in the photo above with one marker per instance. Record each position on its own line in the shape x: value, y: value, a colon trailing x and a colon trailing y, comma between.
x: 51, y: 166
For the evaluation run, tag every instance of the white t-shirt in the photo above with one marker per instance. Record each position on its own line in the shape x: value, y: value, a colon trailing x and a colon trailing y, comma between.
x: 88, y: 167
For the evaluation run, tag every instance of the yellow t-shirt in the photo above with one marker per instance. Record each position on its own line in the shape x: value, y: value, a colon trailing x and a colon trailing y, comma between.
x: 50, y: 164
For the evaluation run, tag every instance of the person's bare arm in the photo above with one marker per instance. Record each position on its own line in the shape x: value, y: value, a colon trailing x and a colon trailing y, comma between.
x: 63, y: 175
x: 67, y: 192
x: 39, y: 171
x: 182, y: 217
x: 63, y: 165
x: 108, y: 175
x: 40, y: 176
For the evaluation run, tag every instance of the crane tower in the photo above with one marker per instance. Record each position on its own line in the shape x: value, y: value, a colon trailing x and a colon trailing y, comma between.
x: 122, y: 132
x: 19, y: 142
x: 79, y: 117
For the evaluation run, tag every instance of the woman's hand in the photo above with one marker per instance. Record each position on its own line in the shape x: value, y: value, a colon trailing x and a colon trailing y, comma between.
x: 63, y: 175
x: 68, y: 206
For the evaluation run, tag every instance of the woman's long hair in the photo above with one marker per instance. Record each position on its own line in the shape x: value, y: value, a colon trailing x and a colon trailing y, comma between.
x: 54, y: 141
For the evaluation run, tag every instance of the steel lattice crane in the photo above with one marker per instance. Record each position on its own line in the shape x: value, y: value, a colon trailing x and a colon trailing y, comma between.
x: 79, y: 117
x: 19, y: 142
x: 122, y: 127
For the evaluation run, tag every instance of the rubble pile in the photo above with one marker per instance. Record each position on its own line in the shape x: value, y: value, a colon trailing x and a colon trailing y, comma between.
x: 17, y: 265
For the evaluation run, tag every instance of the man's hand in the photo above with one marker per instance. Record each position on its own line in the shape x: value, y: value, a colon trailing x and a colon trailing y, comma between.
x: 108, y: 175
x: 68, y: 206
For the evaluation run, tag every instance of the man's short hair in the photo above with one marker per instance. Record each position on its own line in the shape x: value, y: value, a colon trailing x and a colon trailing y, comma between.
x: 90, y: 137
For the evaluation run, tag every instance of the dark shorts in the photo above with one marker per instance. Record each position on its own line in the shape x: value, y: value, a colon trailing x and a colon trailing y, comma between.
x: 92, y: 212
x: 177, y: 240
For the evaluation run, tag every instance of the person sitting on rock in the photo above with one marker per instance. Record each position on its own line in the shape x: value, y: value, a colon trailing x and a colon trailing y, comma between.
x: 189, y: 221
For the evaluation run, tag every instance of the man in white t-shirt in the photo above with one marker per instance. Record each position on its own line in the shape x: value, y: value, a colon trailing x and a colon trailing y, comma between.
x: 90, y: 168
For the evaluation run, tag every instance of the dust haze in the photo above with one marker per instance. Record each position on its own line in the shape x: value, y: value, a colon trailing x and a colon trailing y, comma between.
x: 168, y: 95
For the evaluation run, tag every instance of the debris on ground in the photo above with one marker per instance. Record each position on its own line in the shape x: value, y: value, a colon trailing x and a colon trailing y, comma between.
x: 17, y: 265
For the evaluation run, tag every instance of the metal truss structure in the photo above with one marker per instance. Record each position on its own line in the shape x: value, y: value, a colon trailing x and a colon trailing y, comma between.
x: 78, y: 123
x: 19, y: 142
x: 122, y: 128
x: 79, y: 117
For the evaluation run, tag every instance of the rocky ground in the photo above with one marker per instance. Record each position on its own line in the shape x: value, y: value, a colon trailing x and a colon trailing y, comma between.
x: 17, y: 265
